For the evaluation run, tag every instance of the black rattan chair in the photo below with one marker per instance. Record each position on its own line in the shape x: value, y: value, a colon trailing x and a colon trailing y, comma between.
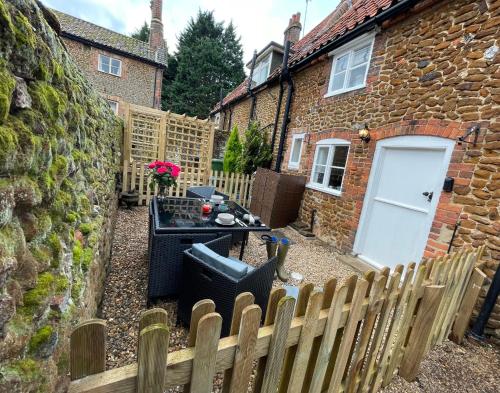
x: 202, y: 281
x: 204, y: 192
x: 165, y: 253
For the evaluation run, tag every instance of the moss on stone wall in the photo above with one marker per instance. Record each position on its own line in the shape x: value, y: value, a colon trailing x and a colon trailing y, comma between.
x: 40, y: 337
x: 59, y: 152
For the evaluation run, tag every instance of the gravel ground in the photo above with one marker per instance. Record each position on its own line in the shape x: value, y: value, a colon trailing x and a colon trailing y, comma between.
x: 449, y: 368
x: 471, y: 368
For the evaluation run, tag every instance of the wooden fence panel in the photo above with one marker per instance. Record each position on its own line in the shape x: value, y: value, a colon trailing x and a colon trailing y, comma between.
x: 348, y: 339
x: 135, y: 177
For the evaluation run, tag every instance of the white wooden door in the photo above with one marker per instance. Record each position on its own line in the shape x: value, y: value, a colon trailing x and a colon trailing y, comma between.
x: 403, y: 191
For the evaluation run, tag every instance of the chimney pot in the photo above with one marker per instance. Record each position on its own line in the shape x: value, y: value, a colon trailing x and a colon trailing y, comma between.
x: 156, y: 40
x: 292, y: 32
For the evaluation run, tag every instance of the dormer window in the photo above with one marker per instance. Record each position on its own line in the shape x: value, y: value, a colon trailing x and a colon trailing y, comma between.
x: 261, y: 70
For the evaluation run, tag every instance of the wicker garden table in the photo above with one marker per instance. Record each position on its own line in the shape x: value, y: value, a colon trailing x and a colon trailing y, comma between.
x: 174, y: 225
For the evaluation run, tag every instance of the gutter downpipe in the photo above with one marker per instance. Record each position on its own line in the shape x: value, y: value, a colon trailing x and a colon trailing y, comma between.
x: 288, y: 77
x: 280, y: 98
x: 249, y: 90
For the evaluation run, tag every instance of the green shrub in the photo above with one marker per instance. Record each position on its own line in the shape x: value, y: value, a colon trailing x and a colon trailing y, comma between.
x: 232, y: 155
x: 256, y: 150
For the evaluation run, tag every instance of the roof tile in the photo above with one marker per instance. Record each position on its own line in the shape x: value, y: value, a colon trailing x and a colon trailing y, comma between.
x: 113, y: 40
x: 340, y: 21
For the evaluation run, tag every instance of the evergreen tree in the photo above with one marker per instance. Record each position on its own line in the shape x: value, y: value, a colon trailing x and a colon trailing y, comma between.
x: 256, y: 150
x: 209, y: 58
x: 232, y: 154
x: 142, y: 33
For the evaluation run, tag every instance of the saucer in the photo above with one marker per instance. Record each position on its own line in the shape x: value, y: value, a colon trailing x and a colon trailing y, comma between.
x: 221, y: 223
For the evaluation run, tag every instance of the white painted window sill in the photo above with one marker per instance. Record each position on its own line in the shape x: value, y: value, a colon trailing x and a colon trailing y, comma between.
x: 322, y: 189
x: 109, y: 73
x: 293, y: 167
x: 338, y: 92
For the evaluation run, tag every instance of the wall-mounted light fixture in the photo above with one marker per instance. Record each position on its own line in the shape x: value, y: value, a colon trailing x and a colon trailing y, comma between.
x: 364, y: 134
x: 307, y: 138
x: 473, y: 130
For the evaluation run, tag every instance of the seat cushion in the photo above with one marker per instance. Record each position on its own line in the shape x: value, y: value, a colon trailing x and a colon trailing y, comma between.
x: 250, y: 268
x: 232, y: 268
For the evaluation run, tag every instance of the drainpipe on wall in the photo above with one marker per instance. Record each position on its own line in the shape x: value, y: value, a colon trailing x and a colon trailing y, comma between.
x: 477, y: 330
x: 221, y: 100
x: 250, y: 92
x: 288, y: 77
x: 280, y: 97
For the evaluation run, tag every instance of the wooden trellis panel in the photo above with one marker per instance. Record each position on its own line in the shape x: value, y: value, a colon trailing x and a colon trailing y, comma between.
x: 189, y: 142
x: 152, y: 134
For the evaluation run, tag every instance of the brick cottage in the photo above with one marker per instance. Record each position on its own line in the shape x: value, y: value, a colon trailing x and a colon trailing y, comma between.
x: 121, y: 68
x: 382, y: 94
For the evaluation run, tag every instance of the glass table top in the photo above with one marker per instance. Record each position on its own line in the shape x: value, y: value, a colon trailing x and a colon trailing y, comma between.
x: 173, y: 213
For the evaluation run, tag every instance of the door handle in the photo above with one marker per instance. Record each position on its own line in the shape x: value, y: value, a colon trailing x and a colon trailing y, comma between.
x: 429, y: 195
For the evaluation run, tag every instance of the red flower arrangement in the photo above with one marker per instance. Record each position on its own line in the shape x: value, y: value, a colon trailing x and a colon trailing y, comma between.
x: 164, y: 174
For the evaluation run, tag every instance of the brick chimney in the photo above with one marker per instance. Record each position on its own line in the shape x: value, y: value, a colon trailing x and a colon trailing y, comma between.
x: 292, y: 32
x: 156, y: 40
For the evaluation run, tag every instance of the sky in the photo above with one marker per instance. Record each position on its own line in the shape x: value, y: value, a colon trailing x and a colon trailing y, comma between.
x: 256, y: 21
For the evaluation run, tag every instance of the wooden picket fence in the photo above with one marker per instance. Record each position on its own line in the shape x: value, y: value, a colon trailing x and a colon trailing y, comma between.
x: 349, y: 338
x: 236, y: 185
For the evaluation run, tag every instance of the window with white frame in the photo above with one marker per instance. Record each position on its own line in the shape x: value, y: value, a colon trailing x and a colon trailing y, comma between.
x: 296, y: 151
x: 113, y: 105
x: 329, y: 165
x: 261, y: 70
x: 110, y: 65
x: 350, y: 65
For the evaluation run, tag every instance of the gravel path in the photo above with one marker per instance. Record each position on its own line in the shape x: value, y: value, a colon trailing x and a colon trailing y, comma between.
x: 449, y: 368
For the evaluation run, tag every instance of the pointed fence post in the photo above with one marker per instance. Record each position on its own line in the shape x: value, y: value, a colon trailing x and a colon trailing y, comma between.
x: 277, y: 346
x: 245, y: 351
x: 88, y: 349
x: 152, y: 358
x: 243, y: 300
x: 465, y: 312
x: 419, y: 335
x: 272, y: 305
x: 204, y: 362
x: 199, y: 310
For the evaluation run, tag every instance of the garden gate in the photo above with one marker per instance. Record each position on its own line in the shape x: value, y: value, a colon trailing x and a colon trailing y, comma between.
x: 349, y: 338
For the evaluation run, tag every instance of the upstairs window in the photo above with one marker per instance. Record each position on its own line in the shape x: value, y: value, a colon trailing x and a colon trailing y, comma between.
x: 261, y: 71
x: 329, y: 165
x: 110, y: 65
x: 296, y: 151
x: 350, y: 66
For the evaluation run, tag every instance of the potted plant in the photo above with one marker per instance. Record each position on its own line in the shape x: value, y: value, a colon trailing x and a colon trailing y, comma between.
x: 165, y: 174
